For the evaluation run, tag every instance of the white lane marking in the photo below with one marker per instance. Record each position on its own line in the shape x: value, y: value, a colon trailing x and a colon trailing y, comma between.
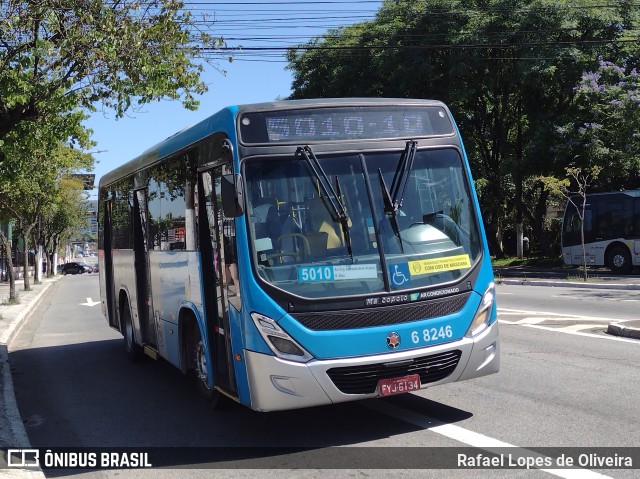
x: 533, y: 322
x: 594, y: 322
x: 588, y: 335
x: 90, y: 302
x: 471, y: 438
x: 580, y: 327
x: 541, y: 319
x: 617, y: 300
x: 551, y: 315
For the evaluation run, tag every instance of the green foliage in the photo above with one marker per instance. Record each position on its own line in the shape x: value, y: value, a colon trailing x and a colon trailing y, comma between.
x: 508, y: 71
x: 11, y: 301
x: 61, y: 59
x: 57, y: 56
x: 533, y: 261
x: 37, y: 158
x: 605, y: 131
x: 64, y: 215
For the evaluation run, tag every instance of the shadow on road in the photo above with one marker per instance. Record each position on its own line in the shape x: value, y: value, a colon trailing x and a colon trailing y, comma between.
x: 89, y: 396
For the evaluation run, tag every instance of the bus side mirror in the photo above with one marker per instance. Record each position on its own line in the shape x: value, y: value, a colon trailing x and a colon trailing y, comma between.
x: 232, y: 195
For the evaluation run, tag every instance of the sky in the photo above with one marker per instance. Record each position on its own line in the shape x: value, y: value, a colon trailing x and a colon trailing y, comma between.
x: 250, y: 78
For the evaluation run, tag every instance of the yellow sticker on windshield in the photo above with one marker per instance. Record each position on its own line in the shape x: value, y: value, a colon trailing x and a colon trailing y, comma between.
x: 435, y: 265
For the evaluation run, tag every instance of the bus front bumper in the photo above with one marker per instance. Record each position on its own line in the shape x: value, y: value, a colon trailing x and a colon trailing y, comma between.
x: 276, y: 384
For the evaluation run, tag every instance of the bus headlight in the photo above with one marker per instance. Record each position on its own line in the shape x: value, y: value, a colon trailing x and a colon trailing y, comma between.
x: 283, y: 345
x: 483, y: 314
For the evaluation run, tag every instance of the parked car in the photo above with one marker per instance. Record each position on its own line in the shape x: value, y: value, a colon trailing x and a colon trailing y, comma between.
x: 76, y: 267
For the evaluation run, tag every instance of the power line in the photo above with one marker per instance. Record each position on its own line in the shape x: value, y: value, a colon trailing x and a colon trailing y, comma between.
x: 299, y: 2
x: 430, y: 47
x: 244, y: 20
x: 308, y: 25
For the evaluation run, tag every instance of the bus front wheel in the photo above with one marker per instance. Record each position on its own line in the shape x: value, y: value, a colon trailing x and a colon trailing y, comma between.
x: 202, y: 371
x: 619, y: 260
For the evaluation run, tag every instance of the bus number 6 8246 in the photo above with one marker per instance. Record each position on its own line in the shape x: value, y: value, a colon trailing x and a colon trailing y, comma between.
x: 432, y: 334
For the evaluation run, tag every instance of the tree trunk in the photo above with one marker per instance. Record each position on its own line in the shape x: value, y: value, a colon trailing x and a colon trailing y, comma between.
x: 517, y: 177
x: 54, y: 255
x: 27, y: 282
x: 584, y: 249
x: 10, y: 271
x: 536, y: 220
x: 492, y: 238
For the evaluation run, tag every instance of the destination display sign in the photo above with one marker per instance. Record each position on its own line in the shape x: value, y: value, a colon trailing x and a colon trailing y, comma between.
x: 331, y: 124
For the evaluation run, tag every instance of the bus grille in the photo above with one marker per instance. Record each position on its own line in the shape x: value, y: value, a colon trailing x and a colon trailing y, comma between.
x: 364, y: 379
x: 382, y: 316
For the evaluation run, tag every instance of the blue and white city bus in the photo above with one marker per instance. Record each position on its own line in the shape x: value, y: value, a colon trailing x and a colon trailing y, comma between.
x: 301, y: 253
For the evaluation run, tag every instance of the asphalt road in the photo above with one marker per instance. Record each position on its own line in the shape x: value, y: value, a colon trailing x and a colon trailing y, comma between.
x: 563, y: 383
x: 603, y: 303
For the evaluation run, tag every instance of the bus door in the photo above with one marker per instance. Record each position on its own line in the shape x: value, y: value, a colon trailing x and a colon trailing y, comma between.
x: 142, y: 270
x: 217, y: 277
x: 108, y: 266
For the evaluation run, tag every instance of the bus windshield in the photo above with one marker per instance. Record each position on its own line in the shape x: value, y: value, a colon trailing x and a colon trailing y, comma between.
x: 329, y: 231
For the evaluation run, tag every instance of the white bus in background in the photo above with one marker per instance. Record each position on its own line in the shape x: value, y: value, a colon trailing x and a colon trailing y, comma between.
x: 611, y: 231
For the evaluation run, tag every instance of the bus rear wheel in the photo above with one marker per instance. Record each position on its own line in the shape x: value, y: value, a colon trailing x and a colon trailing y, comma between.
x: 619, y: 260
x: 133, y: 350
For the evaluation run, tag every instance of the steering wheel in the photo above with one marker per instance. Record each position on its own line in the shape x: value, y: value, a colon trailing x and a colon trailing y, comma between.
x: 305, y: 243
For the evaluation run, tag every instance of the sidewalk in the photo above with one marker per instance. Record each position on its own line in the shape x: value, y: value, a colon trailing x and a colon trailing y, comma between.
x: 12, y: 432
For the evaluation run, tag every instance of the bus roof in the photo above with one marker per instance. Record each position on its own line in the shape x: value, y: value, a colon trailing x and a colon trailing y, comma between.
x: 216, y: 122
x: 634, y: 193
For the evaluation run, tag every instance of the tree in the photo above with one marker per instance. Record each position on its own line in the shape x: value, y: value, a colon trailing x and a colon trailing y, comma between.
x: 38, y: 158
x: 62, y: 218
x: 506, y: 69
x: 606, y: 128
x: 56, y: 56
x: 582, y: 179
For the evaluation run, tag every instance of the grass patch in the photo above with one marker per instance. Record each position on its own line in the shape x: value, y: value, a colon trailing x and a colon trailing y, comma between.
x: 11, y: 302
x: 530, y: 261
x: 580, y: 279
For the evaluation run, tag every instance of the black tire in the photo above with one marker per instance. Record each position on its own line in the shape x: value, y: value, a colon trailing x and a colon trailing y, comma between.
x: 133, y: 350
x: 619, y: 260
x: 202, y: 369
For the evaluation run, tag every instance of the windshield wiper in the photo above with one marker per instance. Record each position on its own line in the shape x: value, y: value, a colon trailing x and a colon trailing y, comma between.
x: 389, y: 208
x: 337, y: 208
x: 401, y: 176
x: 393, y: 198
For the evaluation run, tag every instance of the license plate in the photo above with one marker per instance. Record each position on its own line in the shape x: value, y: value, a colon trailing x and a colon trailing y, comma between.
x: 404, y: 384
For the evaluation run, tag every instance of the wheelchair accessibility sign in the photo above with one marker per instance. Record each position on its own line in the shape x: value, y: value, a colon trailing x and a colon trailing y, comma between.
x: 399, y: 274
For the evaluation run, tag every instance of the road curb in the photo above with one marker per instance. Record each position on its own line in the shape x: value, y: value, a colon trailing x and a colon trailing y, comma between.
x: 619, y: 329
x: 10, y: 406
